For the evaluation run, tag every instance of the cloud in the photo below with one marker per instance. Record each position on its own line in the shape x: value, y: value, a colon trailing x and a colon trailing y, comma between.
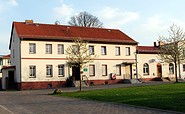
x: 12, y: 2
x: 114, y: 17
x: 63, y: 11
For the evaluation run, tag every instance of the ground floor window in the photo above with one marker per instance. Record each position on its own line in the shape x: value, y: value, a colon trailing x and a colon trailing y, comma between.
x: 104, y: 70
x: 91, y: 70
x: 60, y: 70
x: 49, y: 70
x: 32, y: 71
x: 145, y: 69
x: 118, y: 70
x: 171, y: 68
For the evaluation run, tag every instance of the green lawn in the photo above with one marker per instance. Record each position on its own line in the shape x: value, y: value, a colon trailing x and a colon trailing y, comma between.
x: 168, y: 97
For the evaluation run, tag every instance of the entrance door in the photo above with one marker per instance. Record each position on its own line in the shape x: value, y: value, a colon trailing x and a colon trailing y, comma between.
x: 159, y: 70
x: 11, y: 83
x: 76, y: 73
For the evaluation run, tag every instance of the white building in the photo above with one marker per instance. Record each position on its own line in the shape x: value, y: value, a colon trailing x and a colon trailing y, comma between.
x: 38, y: 58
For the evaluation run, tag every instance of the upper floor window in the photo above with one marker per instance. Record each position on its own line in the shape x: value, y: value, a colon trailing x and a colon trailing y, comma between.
x: 9, y: 61
x: 91, y: 70
x: 183, y: 67
x: 127, y: 51
x: 32, y: 71
x: 32, y: 48
x: 171, y: 68
x: 48, y: 48
x: 117, y: 51
x: 91, y: 50
x: 75, y: 49
x: 60, y: 70
x: 145, y: 69
x: 49, y: 70
x: 103, y: 50
x: 60, y: 49
x: 104, y: 70
x: 1, y: 62
x: 118, y: 70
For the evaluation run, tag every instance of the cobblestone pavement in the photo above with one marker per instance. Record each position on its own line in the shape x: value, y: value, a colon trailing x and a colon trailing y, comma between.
x: 39, y: 102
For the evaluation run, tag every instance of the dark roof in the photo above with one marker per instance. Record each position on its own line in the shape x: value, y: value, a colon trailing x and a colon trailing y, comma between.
x: 9, y: 67
x: 148, y: 49
x: 36, y: 31
x: 6, y: 56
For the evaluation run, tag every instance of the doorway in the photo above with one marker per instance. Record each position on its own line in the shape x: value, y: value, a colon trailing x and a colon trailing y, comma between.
x: 159, y: 70
x: 76, y: 73
x: 11, y: 83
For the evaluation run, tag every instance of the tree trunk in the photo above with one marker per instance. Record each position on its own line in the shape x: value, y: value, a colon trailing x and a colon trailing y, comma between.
x: 179, y: 68
x: 176, y: 80
x: 80, y: 78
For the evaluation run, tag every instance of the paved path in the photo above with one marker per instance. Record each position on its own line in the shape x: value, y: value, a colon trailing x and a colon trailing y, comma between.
x: 39, y: 102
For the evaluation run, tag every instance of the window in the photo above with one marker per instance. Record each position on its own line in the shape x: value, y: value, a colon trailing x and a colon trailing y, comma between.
x: 145, y: 69
x: 127, y: 51
x: 32, y: 48
x: 91, y: 50
x: 60, y: 49
x: 32, y: 71
x: 91, y: 70
x: 1, y: 62
x: 9, y: 61
x: 103, y: 50
x: 60, y: 70
x: 117, y: 51
x: 104, y: 70
x: 171, y: 68
x: 48, y: 48
x: 75, y: 49
x: 49, y: 70
x: 183, y: 52
x: 183, y: 67
x: 118, y: 70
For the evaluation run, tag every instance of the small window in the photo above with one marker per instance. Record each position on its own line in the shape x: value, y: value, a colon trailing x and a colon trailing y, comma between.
x: 61, y: 70
x: 104, y: 70
x: 9, y: 61
x: 117, y: 51
x: 103, y: 50
x: 171, y: 68
x: 32, y: 71
x: 1, y: 62
x: 127, y: 51
x: 146, y: 69
x: 91, y: 70
x: 183, y: 67
x: 32, y: 48
x: 75, y: 49
x: 60, y: 49
x: 91, y: 50
x: 118, y: 70
x: 49, y: 70
x: 48, y: 48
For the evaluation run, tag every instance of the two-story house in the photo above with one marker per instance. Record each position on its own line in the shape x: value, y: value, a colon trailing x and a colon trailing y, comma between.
x: 38, y: 57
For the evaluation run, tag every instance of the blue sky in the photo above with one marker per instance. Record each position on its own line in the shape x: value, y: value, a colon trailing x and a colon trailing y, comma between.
x: 143, y: 20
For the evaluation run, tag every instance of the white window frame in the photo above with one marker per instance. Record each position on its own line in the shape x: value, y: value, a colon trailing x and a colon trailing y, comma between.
x: 117, y: 51
x: 48, y: 48
x: 32, y: 48
x: 127, y: 49
x: 91, y: 70
x: 61, y: 70
x: 32, y: 70
x: 49, y: 70
x: 118, y: 70
x: 91, y: 50
x: 104, y: 70
x: 146, y: 69
x: 60, y: 49
x: 103, y: 50
x: 171, y: 68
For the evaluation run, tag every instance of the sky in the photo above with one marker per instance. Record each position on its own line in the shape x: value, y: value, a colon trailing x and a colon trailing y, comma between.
x: 142, y: 20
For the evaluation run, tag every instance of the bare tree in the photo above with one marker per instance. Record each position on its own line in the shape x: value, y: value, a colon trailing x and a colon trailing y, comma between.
x: 173, y: 48
x: 85, y: 19
x: 78, y: 55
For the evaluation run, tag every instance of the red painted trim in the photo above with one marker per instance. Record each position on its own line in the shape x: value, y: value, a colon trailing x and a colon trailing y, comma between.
x: 67, y: 59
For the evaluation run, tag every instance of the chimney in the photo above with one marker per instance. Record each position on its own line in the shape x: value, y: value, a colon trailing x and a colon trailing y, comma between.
x: 155, y: 44
x: 161, y: 43
x: 28, y: 21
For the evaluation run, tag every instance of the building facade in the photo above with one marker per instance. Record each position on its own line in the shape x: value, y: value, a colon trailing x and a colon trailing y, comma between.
x: 38, y: 57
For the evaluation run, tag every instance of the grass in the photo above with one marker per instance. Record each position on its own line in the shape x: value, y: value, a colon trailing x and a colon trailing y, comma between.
x: 167, y: 97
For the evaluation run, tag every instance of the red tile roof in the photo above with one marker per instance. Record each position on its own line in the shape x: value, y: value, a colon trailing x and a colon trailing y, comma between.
x: 148, y: 49
x: 61, y: 32
x: 6, y: 56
